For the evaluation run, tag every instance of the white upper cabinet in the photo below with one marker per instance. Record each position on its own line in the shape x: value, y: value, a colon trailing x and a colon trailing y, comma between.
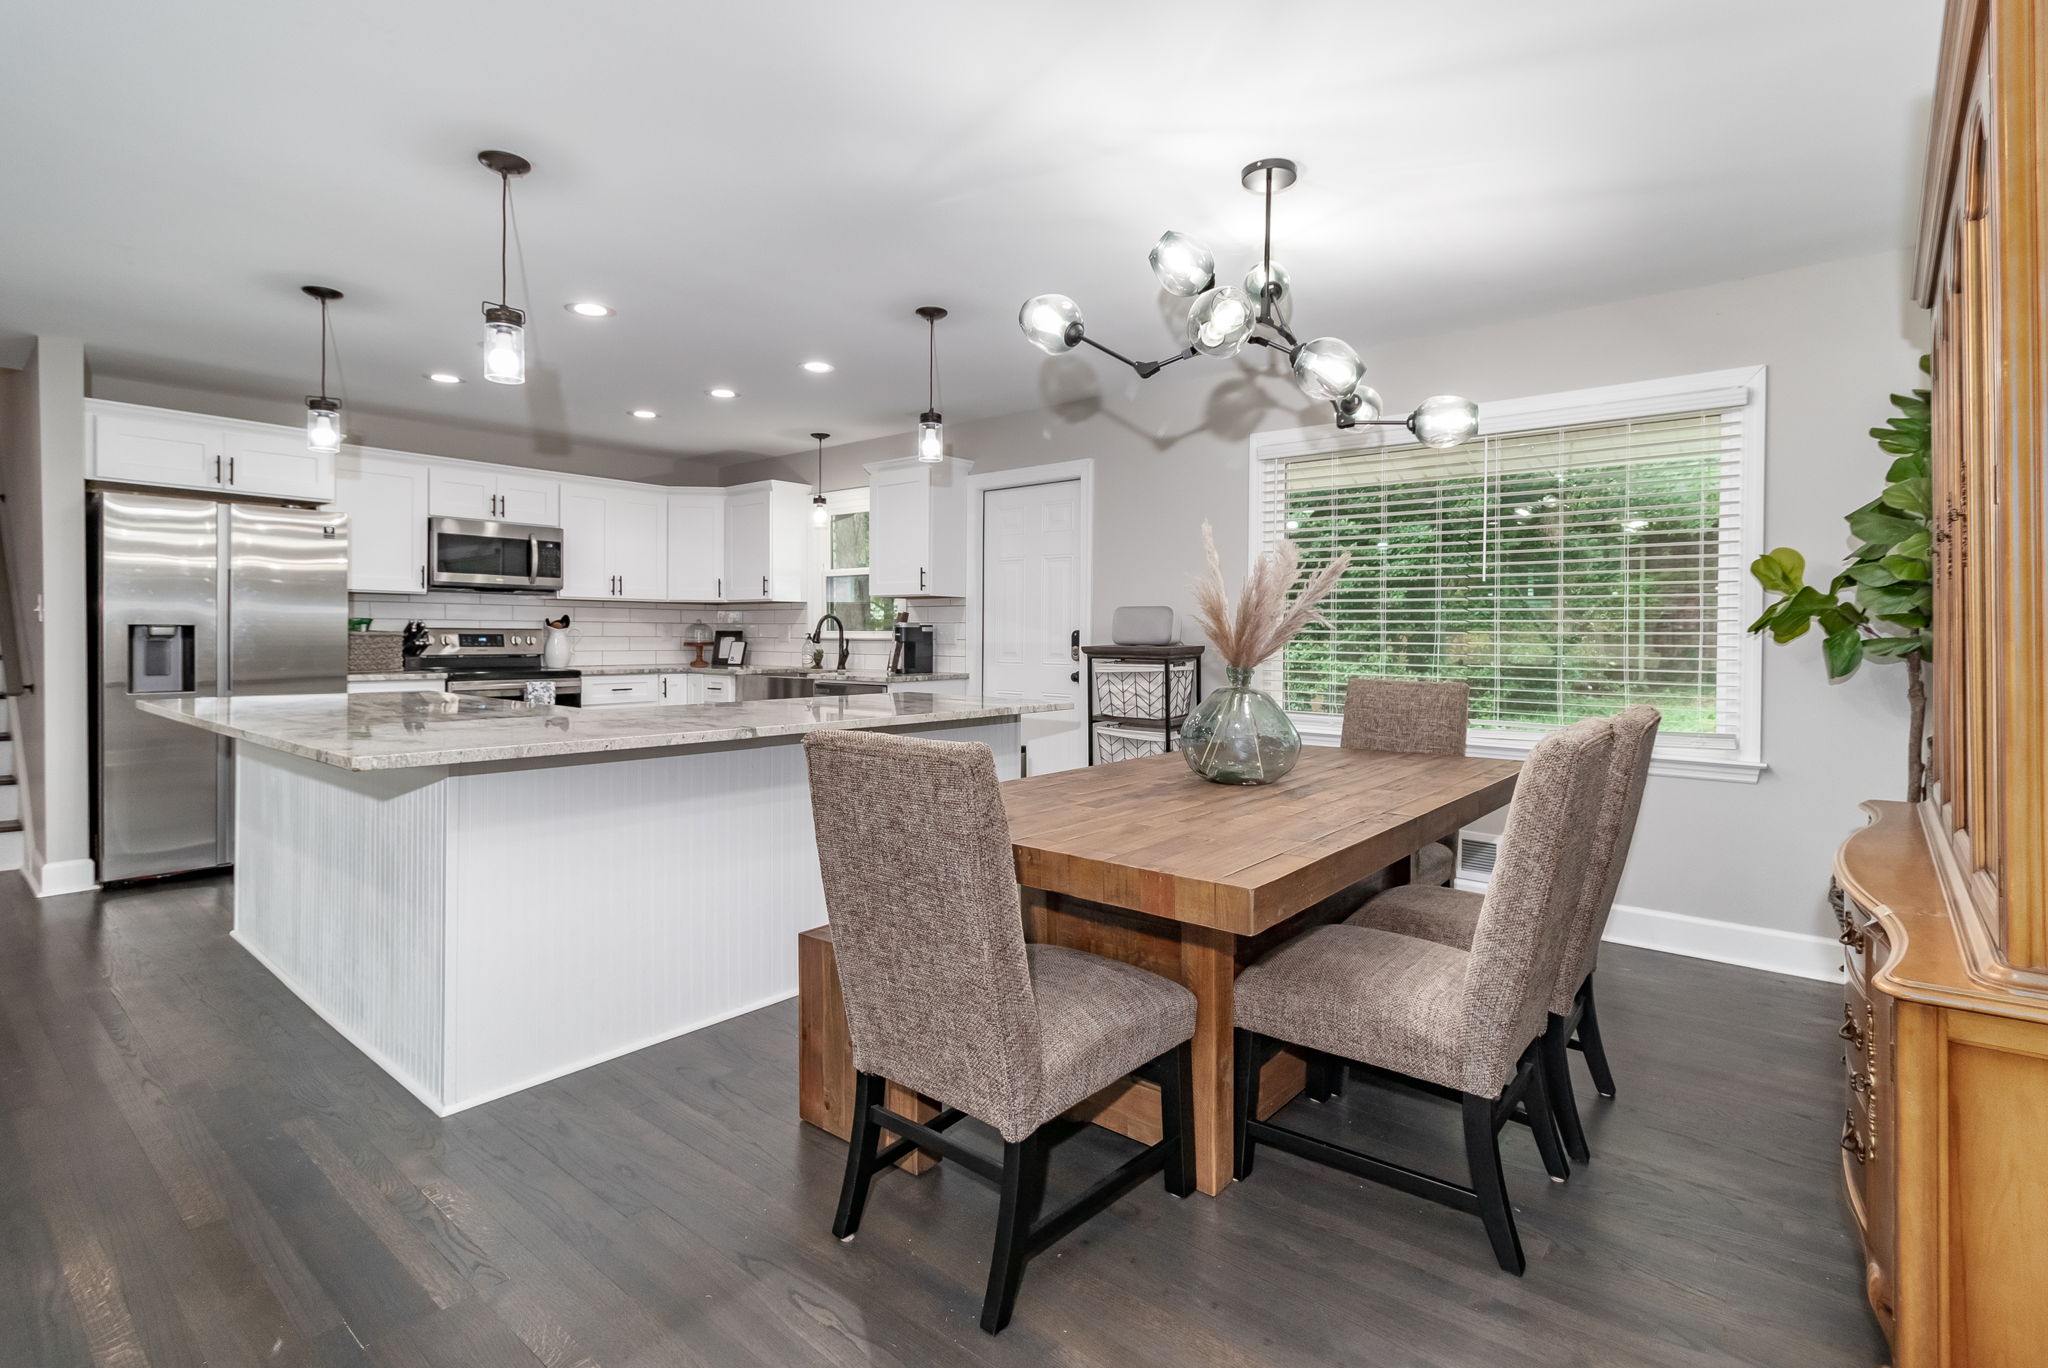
x: 766, y: 526
x: 134, y: 445
x: 385, y: 497
x: 614, y: 541
x: 917, y: 528
x: 696, y: 545
x: 467, y: 491
x: 145, y: 448
x: 275, y: 461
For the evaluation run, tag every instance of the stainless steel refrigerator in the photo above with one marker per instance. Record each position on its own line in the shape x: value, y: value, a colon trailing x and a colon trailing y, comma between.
x: 198, y: 599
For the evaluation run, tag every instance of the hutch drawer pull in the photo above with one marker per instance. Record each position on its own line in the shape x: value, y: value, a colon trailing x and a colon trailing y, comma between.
x: 1860, y: 1082
x: 1849, y: 1030
x: 1850, y: 1140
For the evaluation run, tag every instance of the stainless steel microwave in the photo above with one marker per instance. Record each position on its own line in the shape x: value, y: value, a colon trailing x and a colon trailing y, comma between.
x: 478, y: 553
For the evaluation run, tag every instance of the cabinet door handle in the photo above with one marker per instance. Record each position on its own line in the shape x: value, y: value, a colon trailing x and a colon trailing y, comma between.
x: 718, y: 586
x: 920, y: 577
x: 231, y: 470
x: 764, y: 586
x: 216, y: 470
x: 423, y: 577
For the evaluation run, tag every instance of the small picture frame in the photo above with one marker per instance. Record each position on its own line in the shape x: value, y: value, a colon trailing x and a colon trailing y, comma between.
x: 732, y: 651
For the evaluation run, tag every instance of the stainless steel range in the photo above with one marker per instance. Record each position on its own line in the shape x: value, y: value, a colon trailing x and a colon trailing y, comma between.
x: 496, y: 662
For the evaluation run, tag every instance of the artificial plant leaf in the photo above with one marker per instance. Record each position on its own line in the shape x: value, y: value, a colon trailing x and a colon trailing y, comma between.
x: 1913, y: 496
x: 1914, y: 620
x: 1764, y: 618
x: 1795, y: 614
x: 1882, y: 528
x: 1896, y: 443
x: 1916, y: 546
x: 1907, y: 468
x: 1894, y: 647
x: 1781, y: 571
x: 1892, y: 598
x: 1873, y: 573
x: 1844, y: 652
x: 1907, y: 567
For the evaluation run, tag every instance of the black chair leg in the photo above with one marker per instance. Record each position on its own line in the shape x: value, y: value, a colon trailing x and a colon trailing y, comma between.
x: 1543, y: 1120
x: 1589, y: 1041
x: 1482, y: 1156
x: 1023, y: 1193
x: 1557, y: 1080
x: 1246, y: 1068
x: 862, y: 1147
x: 1333, y: 1080
x: 1317, y: 1086
x: 1177, y: 1117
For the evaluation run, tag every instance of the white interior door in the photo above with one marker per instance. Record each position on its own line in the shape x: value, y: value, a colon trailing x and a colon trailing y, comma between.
x: 1031, y: 614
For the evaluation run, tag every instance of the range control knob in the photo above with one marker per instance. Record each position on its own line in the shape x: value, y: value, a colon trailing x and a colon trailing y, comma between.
x: 447, y: 640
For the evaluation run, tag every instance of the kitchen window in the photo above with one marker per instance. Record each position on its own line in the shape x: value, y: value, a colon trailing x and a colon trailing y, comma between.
x: 1589, y: 551
x: 845, y: 561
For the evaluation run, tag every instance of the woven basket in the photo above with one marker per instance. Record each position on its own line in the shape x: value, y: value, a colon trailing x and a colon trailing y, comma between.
x: 375, y: 652
x: 1126, y: 743
x: 1131, y: 689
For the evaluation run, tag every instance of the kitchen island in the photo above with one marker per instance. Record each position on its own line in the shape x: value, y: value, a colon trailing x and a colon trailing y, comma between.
x: 483, y: 895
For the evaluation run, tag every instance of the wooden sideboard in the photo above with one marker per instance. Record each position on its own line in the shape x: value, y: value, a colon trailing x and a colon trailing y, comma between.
x: 1944, y: 902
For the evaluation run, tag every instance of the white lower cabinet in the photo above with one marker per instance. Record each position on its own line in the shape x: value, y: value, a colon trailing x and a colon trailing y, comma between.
x: 396, y: 685
x: 603, y: 691
x: 385, y: 497
x: 930, y: 686
x: 695, y: 687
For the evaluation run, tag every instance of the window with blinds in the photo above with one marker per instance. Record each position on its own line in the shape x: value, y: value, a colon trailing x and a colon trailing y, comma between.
x: 1561, y: 573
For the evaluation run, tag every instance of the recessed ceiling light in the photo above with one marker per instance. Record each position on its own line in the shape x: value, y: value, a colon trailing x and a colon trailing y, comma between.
x: 444, y: 377
x: 818, y: 367
x: 589, y: 308
x: 645, y: 413
x: 723, y: 393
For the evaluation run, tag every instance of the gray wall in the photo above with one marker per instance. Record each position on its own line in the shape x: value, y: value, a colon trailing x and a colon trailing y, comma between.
x: 399, y: 432
x: 1837, y: 337
x: 42, y: 473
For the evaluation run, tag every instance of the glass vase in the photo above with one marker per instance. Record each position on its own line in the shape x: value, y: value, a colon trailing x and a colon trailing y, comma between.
x: 1239, y: 735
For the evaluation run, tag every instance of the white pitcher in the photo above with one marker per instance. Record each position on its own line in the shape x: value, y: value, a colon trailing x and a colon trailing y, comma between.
x: 560, y: 646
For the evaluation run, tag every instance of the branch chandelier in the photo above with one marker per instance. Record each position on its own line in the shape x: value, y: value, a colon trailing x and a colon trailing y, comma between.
x: 1224, y: 319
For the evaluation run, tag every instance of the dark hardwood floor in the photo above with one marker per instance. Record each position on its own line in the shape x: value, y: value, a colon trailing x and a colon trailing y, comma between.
x: 198, y: 1171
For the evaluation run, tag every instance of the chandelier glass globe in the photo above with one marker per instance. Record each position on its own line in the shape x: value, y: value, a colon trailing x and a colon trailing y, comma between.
x: 1221, y: 320
x: 1362, y: 405
x: 1327, y: 368
x: 1184, y: 266
x: 1444, y: 420
x: 1283, y: 299
x: 1052, y: 322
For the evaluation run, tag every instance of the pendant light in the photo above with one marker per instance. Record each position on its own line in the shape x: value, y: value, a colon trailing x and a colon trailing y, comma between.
x: 820, y: 515
x: 931, y: 429
x: 1223, y: 320
x: 504, y: 326
x: 323, y: 415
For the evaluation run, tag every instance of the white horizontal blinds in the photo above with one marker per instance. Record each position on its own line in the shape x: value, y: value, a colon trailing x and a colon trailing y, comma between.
x: 1561, y: 573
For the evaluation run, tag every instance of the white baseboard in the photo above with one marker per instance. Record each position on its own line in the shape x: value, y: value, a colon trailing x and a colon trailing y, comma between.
x: 59, y: 877
x: 1751, y: 947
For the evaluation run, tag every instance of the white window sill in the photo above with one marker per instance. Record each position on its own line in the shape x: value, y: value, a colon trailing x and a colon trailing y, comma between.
x: 1323, y: 729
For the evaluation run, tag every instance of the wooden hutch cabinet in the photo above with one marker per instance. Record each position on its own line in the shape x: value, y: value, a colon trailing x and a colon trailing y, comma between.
x: 1944, y: 903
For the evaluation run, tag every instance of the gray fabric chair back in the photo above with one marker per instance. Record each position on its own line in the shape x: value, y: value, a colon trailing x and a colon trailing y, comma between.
x: 1419, y: 716
x: 1635, y: 736
x: 921, y: 890
x: 1527, y: 915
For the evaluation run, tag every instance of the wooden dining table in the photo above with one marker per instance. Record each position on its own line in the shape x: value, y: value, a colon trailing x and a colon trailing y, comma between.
x: 1145, y: 862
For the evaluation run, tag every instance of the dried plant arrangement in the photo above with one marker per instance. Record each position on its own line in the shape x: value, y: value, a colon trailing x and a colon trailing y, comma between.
x: 1265, y: 619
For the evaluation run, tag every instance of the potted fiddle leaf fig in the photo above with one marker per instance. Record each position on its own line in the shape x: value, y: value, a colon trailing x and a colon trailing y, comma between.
x: 1881, y: 605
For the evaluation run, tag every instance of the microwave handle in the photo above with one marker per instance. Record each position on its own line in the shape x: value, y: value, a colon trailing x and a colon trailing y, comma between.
x: 533, y: 559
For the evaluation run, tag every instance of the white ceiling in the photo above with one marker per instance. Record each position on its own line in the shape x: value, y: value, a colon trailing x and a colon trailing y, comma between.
x: 754, y: 185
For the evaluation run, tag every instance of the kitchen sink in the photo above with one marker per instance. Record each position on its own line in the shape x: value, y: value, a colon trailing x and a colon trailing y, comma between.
x: 806, y: 684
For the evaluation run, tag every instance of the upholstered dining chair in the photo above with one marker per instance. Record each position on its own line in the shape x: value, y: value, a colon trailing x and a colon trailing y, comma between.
x: 944, y: 997
x: 1449, y: 917
x: 1418, y: 717
x: 1464, y: 1021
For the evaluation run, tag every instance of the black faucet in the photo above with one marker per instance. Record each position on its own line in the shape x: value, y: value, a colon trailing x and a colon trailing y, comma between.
x: 817, y: 637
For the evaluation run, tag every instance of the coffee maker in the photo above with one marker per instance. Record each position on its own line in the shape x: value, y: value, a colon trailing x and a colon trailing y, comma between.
x: 913, y: 653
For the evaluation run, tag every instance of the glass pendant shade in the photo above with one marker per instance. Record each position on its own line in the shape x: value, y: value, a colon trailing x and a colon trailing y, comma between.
x: 1444, y: 420
x: 1221, y: 320
x: 1052, y: 322
x: 323, y: 425
x: 1361, y: 405
x: 820, y: 513
x: 504, y: 346
x: 1184, y: 266
x: 931, y: 439
x: 1327, y: 368
x: 1255, y: 285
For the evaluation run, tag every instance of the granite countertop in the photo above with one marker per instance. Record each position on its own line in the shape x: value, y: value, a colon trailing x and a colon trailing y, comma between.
x: 381, y: 731
x: 858, y: 676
